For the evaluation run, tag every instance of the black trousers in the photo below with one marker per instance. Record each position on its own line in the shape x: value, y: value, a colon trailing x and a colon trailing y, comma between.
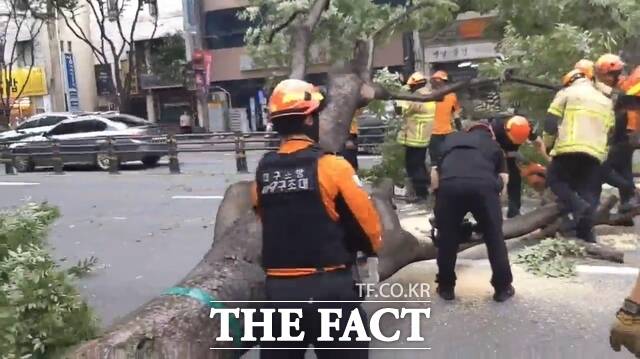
x: 573, y: 177
x: 435, y: 146
x: 456, y: 198
x: 330, y: 286
x: 514, y: 188
x: 351, y: 155
x: 415, y: 158
x: 618, y: 170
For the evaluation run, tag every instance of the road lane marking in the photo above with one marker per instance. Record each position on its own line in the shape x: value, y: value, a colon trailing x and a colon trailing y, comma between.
x: 580, y: 268
x: 19, y: 184
x: 606, y: 270
x: 196, y: 197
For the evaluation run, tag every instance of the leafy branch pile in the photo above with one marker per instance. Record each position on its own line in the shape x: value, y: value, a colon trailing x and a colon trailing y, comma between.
x: 41, y: 312
x: 553, y: 258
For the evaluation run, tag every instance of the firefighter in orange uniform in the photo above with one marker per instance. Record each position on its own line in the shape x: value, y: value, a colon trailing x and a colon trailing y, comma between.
x: 315, y: 218
x: 447, y: 115
x: 617, y: 169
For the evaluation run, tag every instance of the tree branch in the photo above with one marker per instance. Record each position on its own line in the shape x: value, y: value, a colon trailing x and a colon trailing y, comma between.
x: 302, y: 39
x: 394, y: 20
x: 32, y: 55
x: 80, y: 35
x: 283, y: 25
x: 383, y: 94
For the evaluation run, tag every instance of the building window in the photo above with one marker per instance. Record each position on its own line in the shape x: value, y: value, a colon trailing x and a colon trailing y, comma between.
x: 224, y: 30
x: 24, y: 53
x: 22, y: 5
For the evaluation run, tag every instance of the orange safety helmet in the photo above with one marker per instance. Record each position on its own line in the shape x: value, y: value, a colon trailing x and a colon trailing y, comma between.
x: 416, y: 78
x: 631, y: 84
x: 571, y: 76
x: 608, y: 63
x: 586, y: 67
x: 294, y: 97
x: 518, y: 129
x: 440, y: 75
x: 535, y: 175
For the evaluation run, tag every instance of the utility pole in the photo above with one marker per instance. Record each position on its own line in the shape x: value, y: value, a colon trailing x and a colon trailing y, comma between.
x: 193, y: 41
x: 56, y: 79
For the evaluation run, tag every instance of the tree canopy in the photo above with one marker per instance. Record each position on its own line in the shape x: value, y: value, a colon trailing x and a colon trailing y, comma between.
x: 541, y: 39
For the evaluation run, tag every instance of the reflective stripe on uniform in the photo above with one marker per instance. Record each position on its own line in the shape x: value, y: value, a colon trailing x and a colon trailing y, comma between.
x: 587, y: 118
x: 634, y: 90
x: 299, y: 272
x: 416, y: 131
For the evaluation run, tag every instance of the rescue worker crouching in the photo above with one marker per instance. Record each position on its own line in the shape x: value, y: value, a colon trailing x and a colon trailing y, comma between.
x: 469, y: 177
x: 578, y: 124
x: 315, y: 217
x: 510, y: 134
x: 415, y: 135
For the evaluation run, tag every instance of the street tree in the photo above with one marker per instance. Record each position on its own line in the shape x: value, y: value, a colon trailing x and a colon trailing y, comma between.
x: 286, y: 35
x: 115, y: 26
x: 542, y: 40
x: 20, y: 24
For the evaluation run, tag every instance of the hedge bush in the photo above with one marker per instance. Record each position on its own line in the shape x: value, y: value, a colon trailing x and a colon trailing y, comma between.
x: 41, y: 312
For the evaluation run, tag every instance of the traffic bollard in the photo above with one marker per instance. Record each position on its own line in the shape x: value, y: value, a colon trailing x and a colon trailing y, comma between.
x: 56, y: 158
x: 241, y: 157
x: 113, y: 159
x: 8, y: 168
x: 174, y: 164
x: 8, y: 164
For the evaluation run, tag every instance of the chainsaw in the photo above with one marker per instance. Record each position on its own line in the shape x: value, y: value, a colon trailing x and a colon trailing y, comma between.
x: 470, y: 232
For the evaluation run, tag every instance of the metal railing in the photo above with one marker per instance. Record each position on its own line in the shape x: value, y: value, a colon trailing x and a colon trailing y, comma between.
x: 116, y: 148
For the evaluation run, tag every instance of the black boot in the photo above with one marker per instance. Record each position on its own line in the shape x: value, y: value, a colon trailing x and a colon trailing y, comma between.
x: 502, y: 295
x: 446, y: 292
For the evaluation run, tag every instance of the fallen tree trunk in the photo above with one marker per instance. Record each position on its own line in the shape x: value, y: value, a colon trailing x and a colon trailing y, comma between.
x: 179, y: 327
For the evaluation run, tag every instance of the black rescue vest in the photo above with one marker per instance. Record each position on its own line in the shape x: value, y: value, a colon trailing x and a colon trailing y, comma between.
x: 468, y: 155
x: 297, y: 231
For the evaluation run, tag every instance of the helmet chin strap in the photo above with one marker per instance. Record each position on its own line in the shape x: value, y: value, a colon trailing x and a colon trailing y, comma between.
x: 313, y: 131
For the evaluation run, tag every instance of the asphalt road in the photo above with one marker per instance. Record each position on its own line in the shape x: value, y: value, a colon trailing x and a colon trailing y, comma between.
x: 148, y: 229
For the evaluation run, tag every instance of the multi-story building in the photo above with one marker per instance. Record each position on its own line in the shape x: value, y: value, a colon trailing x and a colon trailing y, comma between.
x: 234, y: 72
x: 155, y: 94
x: 38, y: 55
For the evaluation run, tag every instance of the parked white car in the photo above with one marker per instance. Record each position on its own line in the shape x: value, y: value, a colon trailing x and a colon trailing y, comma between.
x: 36, y: 125
x: 83, y: 140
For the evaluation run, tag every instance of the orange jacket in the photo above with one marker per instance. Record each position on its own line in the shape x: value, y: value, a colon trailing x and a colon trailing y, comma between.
x: 446, y: 111
x: 633, y: 120
x: 335, y: 177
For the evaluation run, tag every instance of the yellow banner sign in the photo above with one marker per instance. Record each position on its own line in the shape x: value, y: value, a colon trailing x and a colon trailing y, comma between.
x: 25, y: 83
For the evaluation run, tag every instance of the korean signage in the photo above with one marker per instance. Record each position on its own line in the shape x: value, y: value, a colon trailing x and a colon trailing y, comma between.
x: 460, y: 52
x: 202, y: 63
x: 73, y: 101
x: 104, y: 80
x: 31, y: 83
